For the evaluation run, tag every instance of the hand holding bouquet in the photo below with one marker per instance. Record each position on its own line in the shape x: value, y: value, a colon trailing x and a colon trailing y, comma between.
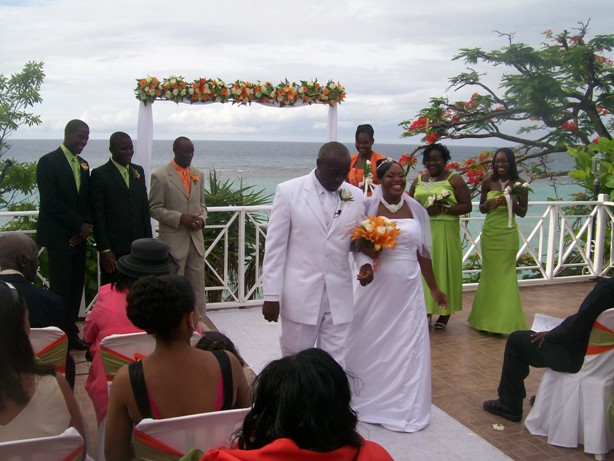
x: 367, y: 184
x: 439, y: 202
x: 377, y: 232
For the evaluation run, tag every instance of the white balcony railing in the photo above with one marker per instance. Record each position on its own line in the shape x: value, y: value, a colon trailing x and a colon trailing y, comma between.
x: 559, y: 242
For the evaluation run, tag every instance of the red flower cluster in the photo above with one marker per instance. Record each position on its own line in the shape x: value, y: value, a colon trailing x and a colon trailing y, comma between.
x: 431, y: 138
x: 418, y: 124
x: 596, y: 140
x: 602, y: 110
x: 472, y: 102
x: 408, y: 160
x: 473, y: 168
x: 603, y: 60
x: 500, y: 107
x: 570, y: 125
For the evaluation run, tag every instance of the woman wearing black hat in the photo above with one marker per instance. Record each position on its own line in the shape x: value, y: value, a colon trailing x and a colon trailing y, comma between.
x: 108, y: 317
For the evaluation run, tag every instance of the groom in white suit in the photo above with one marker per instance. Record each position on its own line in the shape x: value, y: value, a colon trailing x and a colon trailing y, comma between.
x: 306, y: 273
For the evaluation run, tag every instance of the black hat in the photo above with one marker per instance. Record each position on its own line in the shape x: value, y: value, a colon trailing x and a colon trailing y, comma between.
x: 148, y: 257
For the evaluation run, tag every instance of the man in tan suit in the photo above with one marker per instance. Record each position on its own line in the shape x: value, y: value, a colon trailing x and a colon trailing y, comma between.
x: 177, y: 202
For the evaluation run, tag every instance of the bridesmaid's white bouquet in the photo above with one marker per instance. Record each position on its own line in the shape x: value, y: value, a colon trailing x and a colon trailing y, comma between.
x: 440, y: 199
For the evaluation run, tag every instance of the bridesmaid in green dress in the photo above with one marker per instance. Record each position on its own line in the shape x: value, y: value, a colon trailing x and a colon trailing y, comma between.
x: 446, y: 250
x: 496, y: 306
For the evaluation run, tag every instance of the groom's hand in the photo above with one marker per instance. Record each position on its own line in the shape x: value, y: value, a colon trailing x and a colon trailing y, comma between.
x: 270, y: 310
x: 365, y: 276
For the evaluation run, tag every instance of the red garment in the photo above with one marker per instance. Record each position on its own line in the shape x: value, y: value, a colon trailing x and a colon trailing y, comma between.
x: 286, y: 450
x: 355, y: 175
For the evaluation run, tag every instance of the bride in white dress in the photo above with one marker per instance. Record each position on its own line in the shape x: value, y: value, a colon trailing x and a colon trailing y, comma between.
x: 388, y: 348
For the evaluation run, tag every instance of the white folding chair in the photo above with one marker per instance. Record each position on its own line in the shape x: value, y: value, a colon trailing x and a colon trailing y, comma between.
x: 50, y: 345
x: 156, y: 439
x: 67, y: 446
x: 119, y: 350
x: 573, y: 408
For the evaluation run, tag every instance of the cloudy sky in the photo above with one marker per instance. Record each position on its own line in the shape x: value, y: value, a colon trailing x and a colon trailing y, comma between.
x: 391, y: 56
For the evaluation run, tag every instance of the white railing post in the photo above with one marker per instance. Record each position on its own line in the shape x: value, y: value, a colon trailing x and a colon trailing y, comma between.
x: 553, y: 211
x: 599, y: 232
x: 241, y: 274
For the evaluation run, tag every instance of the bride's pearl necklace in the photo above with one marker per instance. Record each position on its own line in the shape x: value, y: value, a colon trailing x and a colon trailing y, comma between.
x: 394, y: 207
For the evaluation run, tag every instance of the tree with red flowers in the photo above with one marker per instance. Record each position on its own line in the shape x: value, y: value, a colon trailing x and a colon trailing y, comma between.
x: 558, y: 95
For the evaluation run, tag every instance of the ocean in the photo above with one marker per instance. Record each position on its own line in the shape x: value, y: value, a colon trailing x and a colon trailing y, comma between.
x: 263, y: 165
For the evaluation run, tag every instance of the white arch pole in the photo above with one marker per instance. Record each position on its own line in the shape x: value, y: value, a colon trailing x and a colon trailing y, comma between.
x: 144, y: 137
x: 332, y: 122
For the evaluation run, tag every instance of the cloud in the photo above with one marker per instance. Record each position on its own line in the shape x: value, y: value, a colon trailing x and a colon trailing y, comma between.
x: 391, y: 55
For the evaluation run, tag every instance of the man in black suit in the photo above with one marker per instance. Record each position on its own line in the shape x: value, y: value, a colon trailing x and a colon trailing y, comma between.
x: 18, y: 266
x: 562, y: 349
x: 119, y: 204
x: 64, y: 221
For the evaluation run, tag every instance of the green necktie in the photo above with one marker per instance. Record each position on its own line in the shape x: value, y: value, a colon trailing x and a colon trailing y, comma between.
x: 76, y: 170
x: 126, y: 176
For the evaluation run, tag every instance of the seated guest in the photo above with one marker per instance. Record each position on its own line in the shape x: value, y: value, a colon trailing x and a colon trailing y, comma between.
x: 108, y: 316
x: 562, y: 349
x: 301, y: 411
x: 35, y: 401
x: 176, y: 379
x: 19, y: 263
x: 216, y: 341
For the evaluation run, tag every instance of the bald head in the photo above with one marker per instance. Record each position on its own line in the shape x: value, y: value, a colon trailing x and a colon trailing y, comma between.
x: 333, y: 150
x: 333, y: 165
x: 20, y: 253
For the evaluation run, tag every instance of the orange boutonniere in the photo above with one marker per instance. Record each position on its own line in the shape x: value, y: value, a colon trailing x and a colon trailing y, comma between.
x: 194, y: 177
x: 85, y: 166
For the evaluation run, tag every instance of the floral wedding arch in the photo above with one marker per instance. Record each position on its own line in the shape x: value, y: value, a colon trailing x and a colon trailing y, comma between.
x: 206, y: 91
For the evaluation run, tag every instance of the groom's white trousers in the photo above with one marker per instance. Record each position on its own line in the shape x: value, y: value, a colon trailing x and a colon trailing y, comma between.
x: 296, y: 337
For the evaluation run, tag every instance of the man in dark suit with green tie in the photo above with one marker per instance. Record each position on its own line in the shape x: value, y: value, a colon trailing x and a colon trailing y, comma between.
x: 119, y: 203
x: 64, y: 221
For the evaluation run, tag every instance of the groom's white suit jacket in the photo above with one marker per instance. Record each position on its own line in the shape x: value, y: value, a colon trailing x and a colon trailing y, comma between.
x: 302, y: 256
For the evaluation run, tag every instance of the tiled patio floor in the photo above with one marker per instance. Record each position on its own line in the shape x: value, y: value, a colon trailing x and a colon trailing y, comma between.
x: 466, y: 368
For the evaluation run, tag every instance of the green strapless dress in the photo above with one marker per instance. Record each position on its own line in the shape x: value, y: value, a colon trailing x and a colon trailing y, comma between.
x: 496, y: 306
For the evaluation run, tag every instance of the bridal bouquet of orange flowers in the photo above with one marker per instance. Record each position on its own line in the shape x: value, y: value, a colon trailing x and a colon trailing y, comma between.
x: 377, y: 231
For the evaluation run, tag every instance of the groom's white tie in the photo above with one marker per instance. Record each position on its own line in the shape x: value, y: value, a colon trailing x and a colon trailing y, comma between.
x: 330, y: 207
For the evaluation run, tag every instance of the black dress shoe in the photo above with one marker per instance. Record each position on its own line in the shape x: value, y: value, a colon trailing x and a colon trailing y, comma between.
x: 78, y: 344
x: 497, y: 408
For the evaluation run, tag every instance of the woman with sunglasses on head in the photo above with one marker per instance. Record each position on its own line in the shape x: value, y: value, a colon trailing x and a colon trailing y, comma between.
x: 35, y: 401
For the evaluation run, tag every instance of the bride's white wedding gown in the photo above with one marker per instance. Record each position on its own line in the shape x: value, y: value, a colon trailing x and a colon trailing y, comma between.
x: 388, y: 347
